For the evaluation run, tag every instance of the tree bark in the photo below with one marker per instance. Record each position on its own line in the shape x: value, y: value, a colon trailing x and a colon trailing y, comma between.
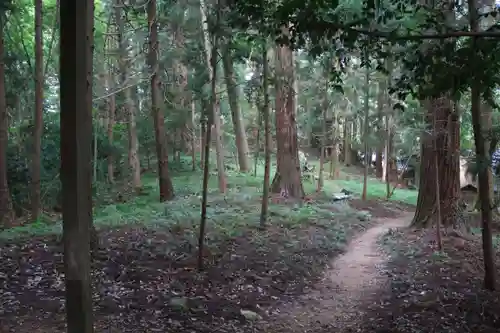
x: 347, y: 141
x: 165, y: 183
x: 193, y: 134
x: 38, y: 128
x: 447, y: 121
x: 181, y: 79
x: 76, y: 152
x: 484, y: 170
x: 238, y: 124
x: 381, y: 103
x: 110, y: 126
x: 323, y: 135
x: 6, y: 211
x: 125, y: 64
x: 334, y: 163
x: 287, y: 180
x: 366, y: 131
x: 212, y: 65
x: 267, y: 139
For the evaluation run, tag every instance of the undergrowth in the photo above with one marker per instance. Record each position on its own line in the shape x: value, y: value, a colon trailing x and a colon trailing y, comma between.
x: 239, y: 206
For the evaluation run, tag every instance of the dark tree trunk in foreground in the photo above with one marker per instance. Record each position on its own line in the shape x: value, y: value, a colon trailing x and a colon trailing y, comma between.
x: 6, y: 212
x: 76, y: 19
x: 448, y: 143
x: 287, y: 180
x: 267, y: 139
x: 38, y: 128
x: 481, y: 123
x: 166, y: 187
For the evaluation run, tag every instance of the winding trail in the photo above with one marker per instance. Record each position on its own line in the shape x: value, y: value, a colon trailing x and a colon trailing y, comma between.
x: 353, y: 279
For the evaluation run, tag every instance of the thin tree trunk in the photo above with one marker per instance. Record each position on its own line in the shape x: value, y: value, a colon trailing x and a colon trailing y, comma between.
x: 38, y: 128
x: 210, y: 52
x: 381, y: 102
x: 76, y: 152
x: 110, y: 127
x: 257, y: 150
x: 334, y: 164
x: 130, y: 106
x: 193, y: 134
x: 6, y: 211
x: 267, y: 139
x: 347, y: 141
x: 366, y: 132
x: 387, y: 157
x: 238, y: 124
x: 210, y: 113
x: 165, y: 183
x: 323, y: 137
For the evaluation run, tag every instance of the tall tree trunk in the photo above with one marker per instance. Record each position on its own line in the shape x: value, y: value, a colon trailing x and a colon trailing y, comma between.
x: 387, y: 153
x: 366, y: 130
x: 323, y: 135
x: 76, y: 44
x: 347, y: 141
x: 388, y: 138
x: 110, y: 125
x: 484, y: 170
x: 216, y: 121
x: 381, y: 103
x: 238, y: 124
x: 449, y: 169
x: 334, y: 163
x: 267, y: 139
x: 193, y: 134
x: 287, y: 180
x: 38, y: 128
x: 165, y: 183
x: 130, y: 106
x: 181, y: 80
x: 6, y: 212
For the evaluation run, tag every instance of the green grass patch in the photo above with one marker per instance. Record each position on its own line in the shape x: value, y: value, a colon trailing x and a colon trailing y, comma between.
x: 237, y: 209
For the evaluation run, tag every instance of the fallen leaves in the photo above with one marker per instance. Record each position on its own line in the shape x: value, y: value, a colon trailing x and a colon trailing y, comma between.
x: 434, y: 292
x: 145, y: 280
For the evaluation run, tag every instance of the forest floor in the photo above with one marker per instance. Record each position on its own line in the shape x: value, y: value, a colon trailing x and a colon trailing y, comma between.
x: 321, y: 266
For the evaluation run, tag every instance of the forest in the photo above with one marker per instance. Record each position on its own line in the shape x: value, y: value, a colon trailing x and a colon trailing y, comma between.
x: 249, y: 166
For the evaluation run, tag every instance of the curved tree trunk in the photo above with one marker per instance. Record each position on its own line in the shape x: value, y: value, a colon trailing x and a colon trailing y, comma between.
x: 287, y: 180
x: 448, y: 155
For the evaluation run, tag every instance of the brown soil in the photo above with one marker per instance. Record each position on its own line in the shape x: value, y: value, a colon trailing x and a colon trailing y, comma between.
x: 431, y: 292
x: 352, y: 279
x: 147, y: 281
x: 381, y: 208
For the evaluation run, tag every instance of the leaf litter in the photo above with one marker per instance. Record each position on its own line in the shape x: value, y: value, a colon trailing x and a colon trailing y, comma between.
x: 145, y: 279
x: 429, y: 291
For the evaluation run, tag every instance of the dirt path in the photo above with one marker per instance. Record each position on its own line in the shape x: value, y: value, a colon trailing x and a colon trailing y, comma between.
x: 352, y: 280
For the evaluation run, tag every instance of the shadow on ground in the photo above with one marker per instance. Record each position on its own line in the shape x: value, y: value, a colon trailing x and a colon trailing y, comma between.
x: 145, y: 279
x: 433, y: 292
